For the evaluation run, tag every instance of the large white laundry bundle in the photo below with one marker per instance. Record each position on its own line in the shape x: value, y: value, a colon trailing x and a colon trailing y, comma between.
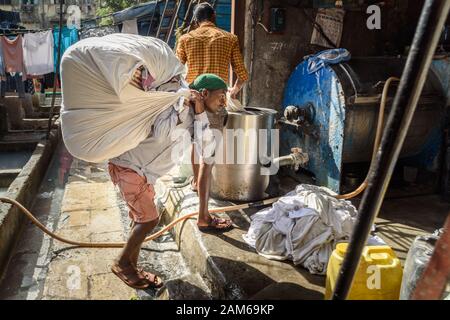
x: 102, y: 114
x: 303, y: 226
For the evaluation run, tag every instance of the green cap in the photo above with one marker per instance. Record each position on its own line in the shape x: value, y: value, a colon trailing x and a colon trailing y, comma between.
x: 208, y: 81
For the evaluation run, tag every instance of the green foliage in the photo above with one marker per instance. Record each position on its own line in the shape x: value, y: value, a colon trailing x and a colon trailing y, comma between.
x: 111, y: 6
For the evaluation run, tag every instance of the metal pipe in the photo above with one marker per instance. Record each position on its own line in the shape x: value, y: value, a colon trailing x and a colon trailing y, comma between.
x: 284, y: 161
x: 162, y: 19
x: 174, y: 19
x: 52, y: 107
x: 192, y: 18
x: 296, y: 159
x: 153, y: 16
x: 427, y: 34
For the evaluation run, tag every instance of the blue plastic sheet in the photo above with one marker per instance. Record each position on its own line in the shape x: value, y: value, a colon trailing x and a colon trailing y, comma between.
x: 134, y: 12
x: 326, y: 57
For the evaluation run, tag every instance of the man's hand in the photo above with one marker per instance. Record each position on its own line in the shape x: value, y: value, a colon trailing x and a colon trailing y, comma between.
x: 236, y: 88
x: 197, y: 101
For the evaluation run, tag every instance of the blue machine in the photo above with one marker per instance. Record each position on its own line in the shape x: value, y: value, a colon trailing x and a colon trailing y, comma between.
x: 336, y: 112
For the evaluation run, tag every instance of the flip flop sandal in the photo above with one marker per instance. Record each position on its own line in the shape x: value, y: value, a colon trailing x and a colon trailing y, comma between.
x: 154, y: 280
x: 122, y: 275
x: 215, y: 225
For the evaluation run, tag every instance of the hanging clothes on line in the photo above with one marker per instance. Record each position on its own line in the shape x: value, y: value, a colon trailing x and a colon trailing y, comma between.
x: 130, y: 26
x: 13, y: 83
x: 38, y: 51
x: 13, y: 55
x: 69, y: 37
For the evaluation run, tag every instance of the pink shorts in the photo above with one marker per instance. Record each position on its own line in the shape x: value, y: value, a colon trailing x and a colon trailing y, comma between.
x: 136, y: 192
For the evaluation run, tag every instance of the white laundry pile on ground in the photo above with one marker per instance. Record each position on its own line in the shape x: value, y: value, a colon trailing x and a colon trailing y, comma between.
x: 303, y: 226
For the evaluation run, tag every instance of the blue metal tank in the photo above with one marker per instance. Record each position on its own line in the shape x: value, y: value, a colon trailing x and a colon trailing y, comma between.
x: 338, y: 107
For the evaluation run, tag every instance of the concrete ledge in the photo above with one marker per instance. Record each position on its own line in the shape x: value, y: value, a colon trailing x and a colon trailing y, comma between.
x: 231, y: 268
x: 7, y: 176
x: 35, y: 124
x: 23, y: 189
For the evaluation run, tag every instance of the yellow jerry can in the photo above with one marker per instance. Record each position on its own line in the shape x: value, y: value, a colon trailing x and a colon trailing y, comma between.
x: 378, y: 277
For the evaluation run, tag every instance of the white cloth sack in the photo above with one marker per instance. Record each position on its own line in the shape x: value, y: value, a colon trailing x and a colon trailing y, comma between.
x: 38, y: 53
x: 102, y: 114
x: 303, y: 226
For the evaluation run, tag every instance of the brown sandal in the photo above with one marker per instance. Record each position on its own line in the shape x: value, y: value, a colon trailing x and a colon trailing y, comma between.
x: 154, y: 280
x: 215, y: 225
x: 123, y: 274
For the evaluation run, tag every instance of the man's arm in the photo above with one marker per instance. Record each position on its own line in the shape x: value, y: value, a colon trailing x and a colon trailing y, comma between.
x: 237, y: 62
x: 181, y: 51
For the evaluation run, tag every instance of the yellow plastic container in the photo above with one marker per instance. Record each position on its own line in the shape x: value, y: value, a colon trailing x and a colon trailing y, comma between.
x: 378, y: 277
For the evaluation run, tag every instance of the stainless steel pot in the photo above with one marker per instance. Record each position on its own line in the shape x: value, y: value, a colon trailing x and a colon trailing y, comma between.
x: 239, y: 177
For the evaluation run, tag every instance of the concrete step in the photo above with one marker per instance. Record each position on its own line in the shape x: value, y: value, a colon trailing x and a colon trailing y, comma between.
x: 35, y: 123
x: 230, y: 267
x: 187, y: 287
x: 7, y: 176
x: 15, y: 139
x: 46, y: 108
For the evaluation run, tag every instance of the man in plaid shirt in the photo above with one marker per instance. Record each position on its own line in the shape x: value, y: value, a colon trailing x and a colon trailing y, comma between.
x: 209, y: 49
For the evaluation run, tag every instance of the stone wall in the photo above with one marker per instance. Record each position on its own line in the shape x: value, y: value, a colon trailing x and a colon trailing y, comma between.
x: 275, y: 56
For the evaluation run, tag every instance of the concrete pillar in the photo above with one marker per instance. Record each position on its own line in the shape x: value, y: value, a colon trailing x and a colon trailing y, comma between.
x: 14, y: 110
x: 36, y: 101
x: 27, y: 104
x: 3, y: 120
x: 248, y: 49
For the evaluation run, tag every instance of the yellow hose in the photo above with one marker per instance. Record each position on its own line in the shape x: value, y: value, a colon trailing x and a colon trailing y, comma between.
x: 122, y: 244
x: 376, y: 145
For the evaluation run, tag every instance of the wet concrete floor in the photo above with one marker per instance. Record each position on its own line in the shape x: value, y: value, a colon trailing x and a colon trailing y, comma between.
x: 78, y: 201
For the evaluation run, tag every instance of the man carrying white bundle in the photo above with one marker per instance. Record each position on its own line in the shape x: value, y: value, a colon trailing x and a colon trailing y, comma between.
x: 123, y: 97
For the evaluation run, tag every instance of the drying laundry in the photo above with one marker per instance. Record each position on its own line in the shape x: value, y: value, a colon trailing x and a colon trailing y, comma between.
x: 303, y: 226
x: 130, y: 27
x: 13, y: 54
x: 38, y: 53
x: 69, y: 37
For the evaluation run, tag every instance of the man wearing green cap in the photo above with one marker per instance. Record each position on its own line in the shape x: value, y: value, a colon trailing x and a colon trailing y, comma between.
x: 135, y: 171
x: 213, y: 91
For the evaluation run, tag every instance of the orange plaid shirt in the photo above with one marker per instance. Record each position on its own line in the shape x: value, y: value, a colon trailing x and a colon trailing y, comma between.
x: 209, y: 49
